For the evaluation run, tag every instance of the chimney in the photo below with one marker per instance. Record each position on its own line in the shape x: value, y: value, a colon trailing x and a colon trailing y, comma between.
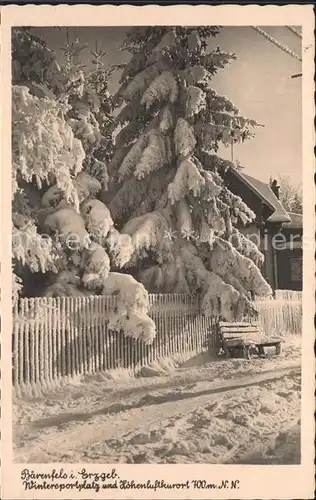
x: 275, y: 188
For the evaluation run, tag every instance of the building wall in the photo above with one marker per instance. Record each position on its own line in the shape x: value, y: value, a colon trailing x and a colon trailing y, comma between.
x: 290, y: 261
x: 293, y: 234
x: 268, y: 268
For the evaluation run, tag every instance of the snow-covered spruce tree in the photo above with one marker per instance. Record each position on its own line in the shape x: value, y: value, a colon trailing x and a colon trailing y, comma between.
x: 60, y: 145
x: 170, y: 195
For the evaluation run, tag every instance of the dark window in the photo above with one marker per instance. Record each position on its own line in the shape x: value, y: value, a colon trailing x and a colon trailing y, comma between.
x: 296, y: 269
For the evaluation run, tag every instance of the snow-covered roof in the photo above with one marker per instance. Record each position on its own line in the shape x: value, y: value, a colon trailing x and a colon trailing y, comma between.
x: 296, y: 221
x: 264, y: 191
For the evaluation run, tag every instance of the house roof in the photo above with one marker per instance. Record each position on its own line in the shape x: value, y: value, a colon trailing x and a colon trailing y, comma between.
x: 264, y: 191
x: 296, y: 221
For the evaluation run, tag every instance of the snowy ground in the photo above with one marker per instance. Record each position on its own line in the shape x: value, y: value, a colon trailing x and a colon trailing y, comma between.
x: 205, y: 411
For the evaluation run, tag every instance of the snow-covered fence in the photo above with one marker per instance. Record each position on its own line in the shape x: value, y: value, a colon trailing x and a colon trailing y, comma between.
x: 279, y: 316
x: 288, y: 295
x: 64, y: 338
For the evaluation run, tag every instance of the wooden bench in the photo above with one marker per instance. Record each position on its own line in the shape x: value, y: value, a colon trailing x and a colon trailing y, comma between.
x: 242, y: 339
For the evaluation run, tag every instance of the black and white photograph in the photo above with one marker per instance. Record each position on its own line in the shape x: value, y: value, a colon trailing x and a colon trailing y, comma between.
x: 157, y: 246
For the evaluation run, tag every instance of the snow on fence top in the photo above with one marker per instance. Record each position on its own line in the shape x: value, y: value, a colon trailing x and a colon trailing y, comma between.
x: 32, y: 309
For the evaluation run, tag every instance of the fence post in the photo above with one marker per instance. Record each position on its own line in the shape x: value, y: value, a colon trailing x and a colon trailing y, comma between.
x: 93, y: 333
x: 32, y: 344
x: 72, y: 337
x: 16, y: 359
x: 25, y: 339
x: 63, y: 336
x: 42, y: 342
x: 53, y: 354
x: 58, y: 338
x: 48, y: 344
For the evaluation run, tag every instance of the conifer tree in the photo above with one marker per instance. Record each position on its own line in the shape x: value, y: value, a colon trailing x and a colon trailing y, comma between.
x: 291, y: 196
x: 63, y: 234
x: 168, y: 191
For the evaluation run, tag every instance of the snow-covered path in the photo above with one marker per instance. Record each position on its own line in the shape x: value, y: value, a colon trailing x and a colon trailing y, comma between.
x: 230, y: 411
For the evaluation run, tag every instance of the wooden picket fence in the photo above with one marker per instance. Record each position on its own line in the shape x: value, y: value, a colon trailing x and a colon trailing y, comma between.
x: 288, y: 295
x: 280, y: 316
x: 55, y: 339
